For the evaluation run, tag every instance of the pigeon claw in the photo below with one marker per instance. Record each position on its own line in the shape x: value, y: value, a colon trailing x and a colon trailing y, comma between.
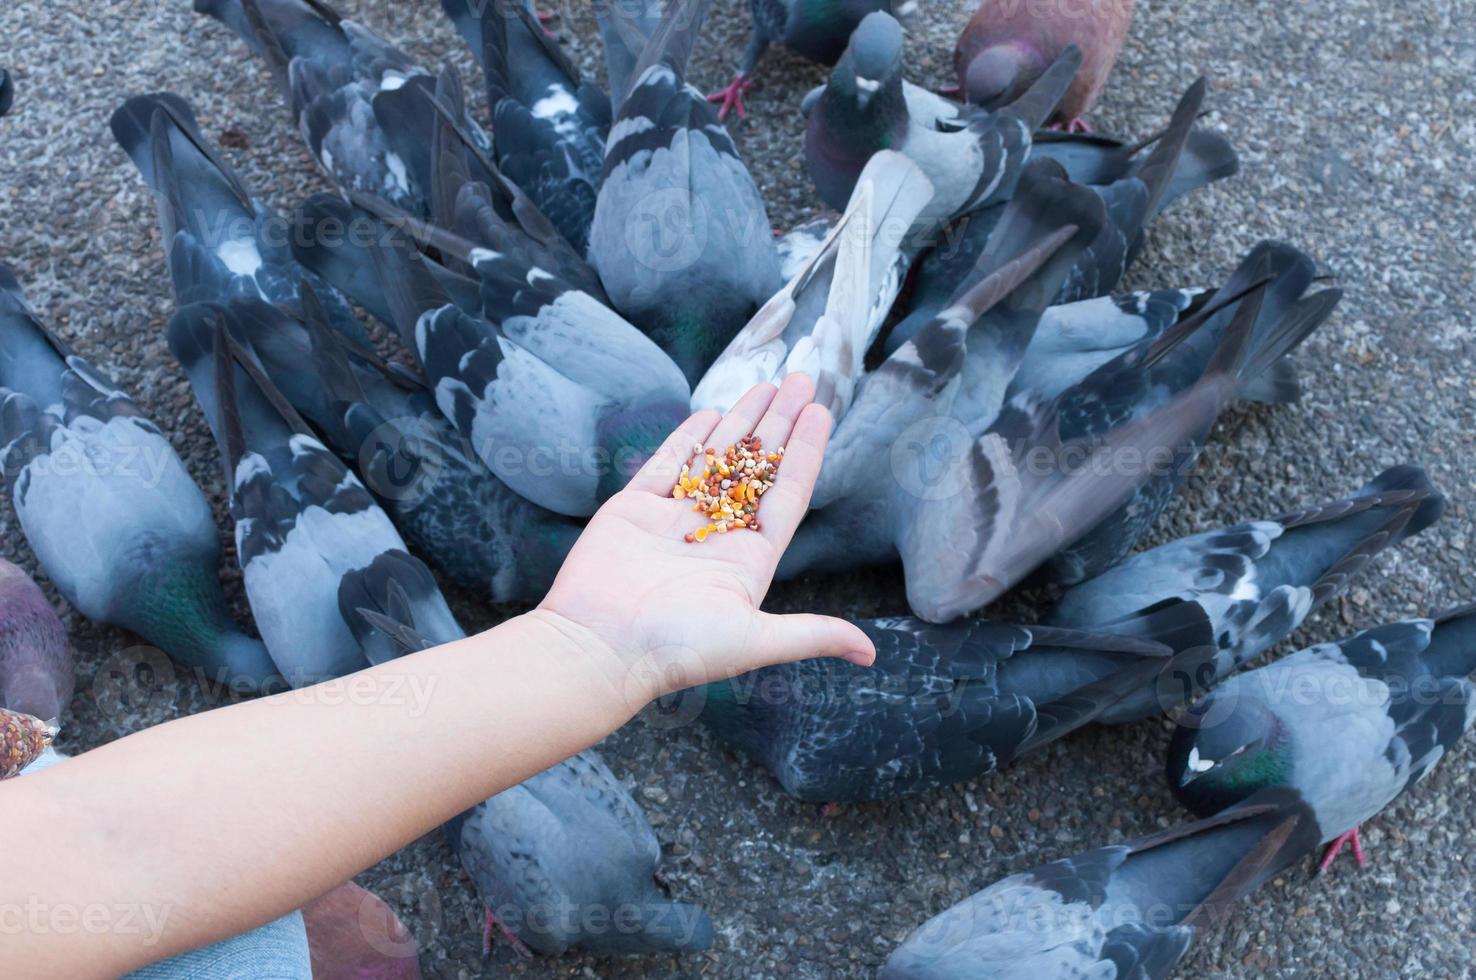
x: 732, y: 97
x: 491, y: 925
x: 1077, y: 125
x: 1336, y: 848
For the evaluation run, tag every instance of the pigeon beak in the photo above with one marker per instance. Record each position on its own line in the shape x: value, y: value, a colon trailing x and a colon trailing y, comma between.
x: 1194, y: 768
x: 905, y: 13
x: 865, y: 89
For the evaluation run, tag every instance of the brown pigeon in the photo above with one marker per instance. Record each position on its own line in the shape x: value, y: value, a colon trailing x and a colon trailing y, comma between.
x: 1007, y: 44
x: 37, y: 664
x: 354, y: 935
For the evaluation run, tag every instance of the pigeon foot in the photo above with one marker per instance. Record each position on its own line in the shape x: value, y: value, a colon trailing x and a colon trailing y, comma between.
x: 1336, y: 848
x: 491, y: 925
x: 830, y: 810
x: 1077, y: 125
x: 732, y: 96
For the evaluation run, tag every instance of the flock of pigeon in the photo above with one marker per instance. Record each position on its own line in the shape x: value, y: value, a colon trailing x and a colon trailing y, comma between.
x: 569, y: 281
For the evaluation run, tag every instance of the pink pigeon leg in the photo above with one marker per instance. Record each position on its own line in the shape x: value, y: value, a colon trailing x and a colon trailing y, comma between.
x: 1336, y: 847
x: 732, y: 96
x: 1073, y: 126
x: 491, y: 924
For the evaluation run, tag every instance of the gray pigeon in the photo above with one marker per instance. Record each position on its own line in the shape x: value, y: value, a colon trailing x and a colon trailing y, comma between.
x: 37, y: 664
x: 1183, y: 159
x: 816, y: 29
x: 1256, y: 581
x: 1350, y: 725
x: 526, y: 379
x: 551, y: 124
x: 975, y: 514
x: 942, y: 704
x: 303, y: 521
x: 972, y: 161
x: 361, y: 104
x: 565, y: 859
x: 128, y: 539
x: 962, y: 360
x: 1277, y: 278
x: 1127, y: 910
x: 383, y: 421
x: 681, y: 239
x: 823, y: 322
x: 219, y: 240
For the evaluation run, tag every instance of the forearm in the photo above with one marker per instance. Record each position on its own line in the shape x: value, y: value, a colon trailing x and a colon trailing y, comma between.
x: 263, y: 806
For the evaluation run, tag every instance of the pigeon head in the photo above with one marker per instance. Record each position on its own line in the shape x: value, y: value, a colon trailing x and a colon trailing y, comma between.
x: 999, y: 74
x: 1219, y: 757
x: 872, y: 64
x: 861, y: 111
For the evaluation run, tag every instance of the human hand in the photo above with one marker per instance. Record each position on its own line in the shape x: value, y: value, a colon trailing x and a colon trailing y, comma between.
x: 669, y: 614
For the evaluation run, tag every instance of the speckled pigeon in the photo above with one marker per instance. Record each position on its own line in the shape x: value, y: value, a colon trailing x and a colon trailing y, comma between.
x: 681, y: 239
x: 563, y: 860
x: 37, y: 664
x: 303, y: 521
x: 972, y: 160
x: 1256, y: 581
x: 823, y: 322
x: 109, y: 509
x: 383, y: 421
x: 362, y: 105
x: 815, y: 29
x: 1128, y: 910
x: 1350, y: 725
x: 219, y: 240
x: 1183, y: 159
x: 550, y: 123
x: 561, y: 398
x: 1007, y: 45
x: 941, y: 704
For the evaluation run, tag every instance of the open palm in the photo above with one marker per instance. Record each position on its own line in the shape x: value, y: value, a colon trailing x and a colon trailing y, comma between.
x: 673, y: 614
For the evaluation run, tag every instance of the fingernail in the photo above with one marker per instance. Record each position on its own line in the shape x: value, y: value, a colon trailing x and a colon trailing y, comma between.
x: 861, y: 658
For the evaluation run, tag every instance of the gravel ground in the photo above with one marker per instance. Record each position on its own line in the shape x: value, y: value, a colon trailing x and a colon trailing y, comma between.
x: 1353, y: 119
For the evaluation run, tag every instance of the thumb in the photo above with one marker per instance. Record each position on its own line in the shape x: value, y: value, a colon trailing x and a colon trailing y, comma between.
x: 804, y: 635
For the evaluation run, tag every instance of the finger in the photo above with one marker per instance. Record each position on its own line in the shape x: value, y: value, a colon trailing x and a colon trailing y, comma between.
x: 660, y: 472
x: 785, y: 504
x: 802, y: 636
x: 742, y: 417
x: 797, y: 391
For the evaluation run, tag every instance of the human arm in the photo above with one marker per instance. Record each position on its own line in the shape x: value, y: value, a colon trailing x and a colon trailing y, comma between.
x: 206, y: 826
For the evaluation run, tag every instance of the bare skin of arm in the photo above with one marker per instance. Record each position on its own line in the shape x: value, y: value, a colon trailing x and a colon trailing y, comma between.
x: 220, y: 822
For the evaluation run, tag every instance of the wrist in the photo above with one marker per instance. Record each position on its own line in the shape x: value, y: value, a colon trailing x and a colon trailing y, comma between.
x: 603, y: 672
